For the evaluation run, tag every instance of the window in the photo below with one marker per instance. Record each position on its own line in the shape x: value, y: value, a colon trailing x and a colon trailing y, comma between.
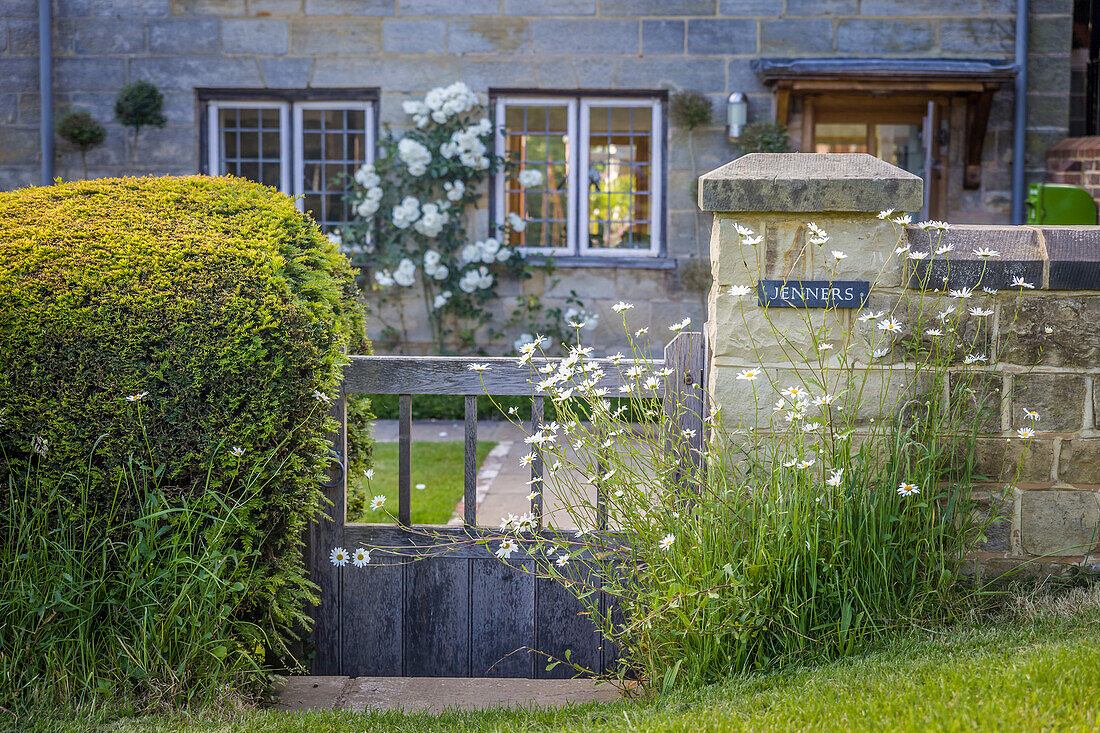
x: 601, y: 197
x: 303, y: 147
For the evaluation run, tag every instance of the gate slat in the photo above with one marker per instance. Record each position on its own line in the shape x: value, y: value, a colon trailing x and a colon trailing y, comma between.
x: 437, y: 620
x: 470, y: 469
x: 502, y: 618
x: 404, y: 459
x: 325, y: 534
x: 372, y: 619
x: 561, y: 627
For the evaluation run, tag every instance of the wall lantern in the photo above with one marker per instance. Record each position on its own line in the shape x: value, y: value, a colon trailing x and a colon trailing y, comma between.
x: 737, y: 114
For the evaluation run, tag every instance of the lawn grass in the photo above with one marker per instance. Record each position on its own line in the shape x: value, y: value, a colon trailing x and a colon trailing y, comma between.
x: 1035, y: 669
x: 438, y: 466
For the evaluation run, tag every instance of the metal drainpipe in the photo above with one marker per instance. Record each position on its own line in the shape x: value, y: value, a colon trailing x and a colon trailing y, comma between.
x: 45, y: 86
x: 1019, y: 139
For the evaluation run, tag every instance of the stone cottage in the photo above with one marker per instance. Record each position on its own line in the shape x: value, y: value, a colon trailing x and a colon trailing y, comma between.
x: 289, y: 92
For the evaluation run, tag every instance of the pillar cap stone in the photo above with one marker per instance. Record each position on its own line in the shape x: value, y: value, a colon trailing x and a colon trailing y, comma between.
x: 810, y: 182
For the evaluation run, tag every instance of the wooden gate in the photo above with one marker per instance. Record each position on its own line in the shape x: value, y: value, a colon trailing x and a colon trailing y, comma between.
x: 458, y: 611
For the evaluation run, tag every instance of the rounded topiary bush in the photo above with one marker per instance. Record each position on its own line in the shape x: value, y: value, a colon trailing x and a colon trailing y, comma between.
x: 224, y: 308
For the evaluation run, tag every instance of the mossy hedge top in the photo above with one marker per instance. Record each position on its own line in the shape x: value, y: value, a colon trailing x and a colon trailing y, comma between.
x: 214, y: 295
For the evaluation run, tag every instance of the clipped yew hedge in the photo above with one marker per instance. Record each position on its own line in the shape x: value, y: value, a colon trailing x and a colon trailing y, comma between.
x: 218, y: 299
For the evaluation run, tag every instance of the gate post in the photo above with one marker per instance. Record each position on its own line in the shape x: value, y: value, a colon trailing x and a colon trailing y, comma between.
x: 326, y: 533
x: 685, y: 403
x: 776, y: 195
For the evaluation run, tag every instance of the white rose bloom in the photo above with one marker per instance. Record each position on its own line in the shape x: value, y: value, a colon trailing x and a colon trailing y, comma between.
x: 454, y: 189
x: 367, y: 208
x: 439, y: 116
x: 431, y: 221
x: 517, y: 222
x: 384, y: 278
x: 441, y: 273
x: 470, y: 253
x: 503, y: 254
x: 414, y: 155
x: 431, y: 260
x: 468, y: 282
x: 405, y: 274
x: 366, y: 176
x: 374, y: 193
x: 441, y: 299
x: 489, y: 249
x: 484, y: 280
x: 523, y: 340
x: 529, y: 178
x: 335, y: 238
x: 406, y: 212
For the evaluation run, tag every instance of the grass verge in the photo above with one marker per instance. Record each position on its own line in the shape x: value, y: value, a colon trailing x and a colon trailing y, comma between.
x: 1034, y: 668
x: 436, y: 466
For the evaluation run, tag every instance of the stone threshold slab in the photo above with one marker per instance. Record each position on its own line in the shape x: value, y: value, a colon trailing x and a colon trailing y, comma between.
x: 435, y: 694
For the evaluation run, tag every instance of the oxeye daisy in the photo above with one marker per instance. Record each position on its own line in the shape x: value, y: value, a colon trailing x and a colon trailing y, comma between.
x: 666, y: 541
x: 794, y: 392
x: 738, y: 291
x: 986, y: 253
x: 137, y: 397
x: 369, y: 473
x: 904, y: 220
x: 339, y: 557
x: 478, y: 368
x: 1018, y: 282
x: 917, y: 255
x: 641, y: 332
x: 506, y: 548
x: 237, y: 451
x: 1031, y: 415
x: 748, y: 375
x: 360, y: 558
x: 562, y: 560
x: 1026, y: 433
x: 944, y: 249
x: 981, y: 312
x: 837, y: 254
x: 885, y: 214
x: 879, y: 353
x: 743, y: 231
x: 962, y: 293
x: 933, y: 332
x: 528, y: 459
x: 890, y: 325
x: 836, y: 478
x: 377, y: 502
x: 678, y: 327
x: 907, y: 489
x: 622, y: 307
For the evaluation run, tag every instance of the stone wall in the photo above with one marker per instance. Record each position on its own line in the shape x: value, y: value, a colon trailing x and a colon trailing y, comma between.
x: 1076, y: 161
x: 405, y: 47
x: 1047, y: 338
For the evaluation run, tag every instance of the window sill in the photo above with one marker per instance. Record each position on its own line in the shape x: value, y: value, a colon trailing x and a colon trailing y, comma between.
x: 629, y: 263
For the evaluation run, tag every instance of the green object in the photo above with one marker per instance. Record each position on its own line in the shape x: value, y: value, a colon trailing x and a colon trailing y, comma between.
x: 1059, y: 203
x: 222, y: 311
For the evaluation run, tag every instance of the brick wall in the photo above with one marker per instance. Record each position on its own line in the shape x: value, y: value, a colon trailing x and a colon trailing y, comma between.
x: 1076, y: 161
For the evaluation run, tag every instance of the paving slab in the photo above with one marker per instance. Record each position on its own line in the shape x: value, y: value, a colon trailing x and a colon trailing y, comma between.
x: 435, y: 694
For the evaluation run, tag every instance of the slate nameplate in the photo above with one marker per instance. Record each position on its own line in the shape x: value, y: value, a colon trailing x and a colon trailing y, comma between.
x: 812, y: 293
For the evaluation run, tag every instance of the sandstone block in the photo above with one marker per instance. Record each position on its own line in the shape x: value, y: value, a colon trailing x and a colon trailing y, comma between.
x: 977, y: 36
x: 541, y: 7
x: 998, y: 459
x: 1059, y: 398
x: 748, y: 8
x: 256, y: 36
x: 420, y: 35
x: 737, y: 37
x: 316, y: 36
x: 884, y: 36
x: 798, y: 182
x: 448, y: 7
x: 351, y: 8
x: 584, y: 36
x: 662, y: 37
x: 190, y: 36
x: 488, y: 35
x: 796, y: 37
x: 97, y: 37
x: 657, y: 7
x: 1074, y: 338
x: 1079, y: 462
x: 1059, y: 522
x: 663, y: 72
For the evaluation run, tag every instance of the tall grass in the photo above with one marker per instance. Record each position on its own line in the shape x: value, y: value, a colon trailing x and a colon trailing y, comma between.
x: 816, y: 527
x: 100, y: 605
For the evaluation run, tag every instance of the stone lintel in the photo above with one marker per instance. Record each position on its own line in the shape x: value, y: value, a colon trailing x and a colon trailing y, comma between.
x: 809, y: 182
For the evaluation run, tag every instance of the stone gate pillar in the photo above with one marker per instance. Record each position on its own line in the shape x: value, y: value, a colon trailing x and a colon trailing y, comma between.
x: 776, y: 195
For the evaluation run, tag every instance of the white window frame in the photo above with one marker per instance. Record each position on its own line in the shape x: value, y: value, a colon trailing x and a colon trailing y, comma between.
x: 570, y: 105
x: 214, y: 137
x: 577, y: 127
x: 656, y: 178
x: 299, y: 154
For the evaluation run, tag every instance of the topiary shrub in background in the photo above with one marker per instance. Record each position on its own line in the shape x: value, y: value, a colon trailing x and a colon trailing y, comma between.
x: 219, y: 304
x: 83, y: 132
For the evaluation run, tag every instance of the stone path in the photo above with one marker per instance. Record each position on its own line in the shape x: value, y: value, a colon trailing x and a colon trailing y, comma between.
x: 434, y: 694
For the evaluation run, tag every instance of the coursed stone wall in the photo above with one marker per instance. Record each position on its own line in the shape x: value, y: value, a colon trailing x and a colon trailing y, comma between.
x: 406, y: 47
x: 1047, y: 338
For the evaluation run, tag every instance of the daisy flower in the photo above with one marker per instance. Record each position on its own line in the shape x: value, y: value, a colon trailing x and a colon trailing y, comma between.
x: 933, y: 332
x: 986, y: 253
x: 562, y: 560
x: 836, y: 478
x: 360, y: 558
x: 622, y: 307
x: 527, y: 460
x: 137, y: 397
x: 879, y: 353
x: 369, y: 473
x: 338, y: 557
x: 678, y: 327
x: 1026, y: 433
x: 890, y: 325
x: 906, y: 489
x: 837, y: 254
x: 962, y: 293
x: 743, y: 231
x: 981, y: 312
x: 805, y: 464
x: 885, y: 214
x: 478, y: 368
x: 748, y: 375
x: 975, y: 358
x: 739, y: 291
x: 1031, y: 415
x: 917, y: 255
x: 377, y: 502
x: 904, y: 220
x: 1018, y: 282
x: 506, y: 548
x: 666, y: 541
x: 641, y: 332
